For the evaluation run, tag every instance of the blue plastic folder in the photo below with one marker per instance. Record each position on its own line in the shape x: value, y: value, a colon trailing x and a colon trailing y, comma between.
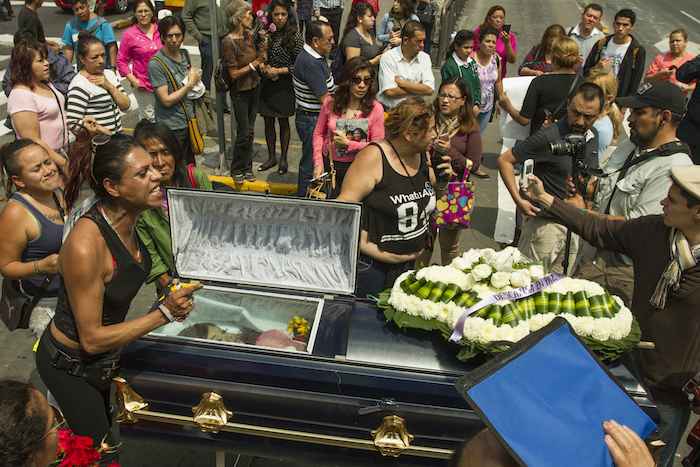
x: 547, y: 398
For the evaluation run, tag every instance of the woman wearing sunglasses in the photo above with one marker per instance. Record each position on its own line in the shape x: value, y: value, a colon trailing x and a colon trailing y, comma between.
x: 394, y: 180
x: 353, y: 107
x: 103, y: 264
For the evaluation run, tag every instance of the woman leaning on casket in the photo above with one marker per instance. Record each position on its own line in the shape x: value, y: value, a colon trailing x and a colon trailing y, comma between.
x: 103, y: 265
x: 153, y: 226
x: 394, y: 181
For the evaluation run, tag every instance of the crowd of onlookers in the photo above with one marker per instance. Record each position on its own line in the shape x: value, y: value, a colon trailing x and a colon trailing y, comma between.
x: 374, y: 129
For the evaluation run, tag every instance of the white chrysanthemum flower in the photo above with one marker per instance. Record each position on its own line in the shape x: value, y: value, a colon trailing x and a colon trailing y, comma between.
x: 500, y: 279
x: 520, y: 278
x: 446, y: 275
x: 536, y: 272
x: 467, y: 260
x: 481, y: 272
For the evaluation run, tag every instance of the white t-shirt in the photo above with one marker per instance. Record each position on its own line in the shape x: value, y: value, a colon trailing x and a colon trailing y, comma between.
x: 616, y: 53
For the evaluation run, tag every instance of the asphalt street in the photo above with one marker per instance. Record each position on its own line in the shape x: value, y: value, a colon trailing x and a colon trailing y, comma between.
x: 656, y: 18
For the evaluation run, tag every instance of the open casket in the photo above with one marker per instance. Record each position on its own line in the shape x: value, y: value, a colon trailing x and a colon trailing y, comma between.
x: 278, y: 356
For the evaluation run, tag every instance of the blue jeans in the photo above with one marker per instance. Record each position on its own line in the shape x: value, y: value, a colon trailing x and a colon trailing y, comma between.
x: 674, y: 420
x: 484, y: 118
x: 305, y: 123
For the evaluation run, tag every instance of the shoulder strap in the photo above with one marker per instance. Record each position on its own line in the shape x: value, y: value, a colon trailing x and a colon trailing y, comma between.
x: 63, y: 120
x: 571, y: 30
x: 172, y: 80
x: 190, y: 176
x: 664, y: 150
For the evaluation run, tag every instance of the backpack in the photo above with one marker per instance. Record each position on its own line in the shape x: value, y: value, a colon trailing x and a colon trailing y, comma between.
x: 92, y: 30
x: 425, y: 12
x: 338, y: 62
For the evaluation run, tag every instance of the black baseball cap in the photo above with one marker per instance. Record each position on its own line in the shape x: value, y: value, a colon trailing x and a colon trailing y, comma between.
x: 661, y: 95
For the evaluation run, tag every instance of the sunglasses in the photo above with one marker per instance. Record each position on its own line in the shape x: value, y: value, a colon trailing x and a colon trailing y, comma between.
x: 358, y: 80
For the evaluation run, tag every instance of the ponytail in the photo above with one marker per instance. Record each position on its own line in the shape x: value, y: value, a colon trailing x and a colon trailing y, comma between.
x: 93, y: 163
x: 9, y: 159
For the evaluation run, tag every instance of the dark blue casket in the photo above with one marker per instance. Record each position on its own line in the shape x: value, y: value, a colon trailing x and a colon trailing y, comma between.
x: 358, y: 389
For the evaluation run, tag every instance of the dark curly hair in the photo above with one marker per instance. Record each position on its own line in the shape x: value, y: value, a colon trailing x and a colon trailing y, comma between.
x: 108, y: 163
x: 290, y: 30
x: 358, y: 10
x: 22, y: 428
x: 23, y: 56
x: 146, y: 130
x: 341, y: 99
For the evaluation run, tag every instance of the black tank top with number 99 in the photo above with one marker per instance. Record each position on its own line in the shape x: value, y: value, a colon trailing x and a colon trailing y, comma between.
x: 397, y: 212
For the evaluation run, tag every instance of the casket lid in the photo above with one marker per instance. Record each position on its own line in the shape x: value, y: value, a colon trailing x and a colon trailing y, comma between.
x: 267, y: 241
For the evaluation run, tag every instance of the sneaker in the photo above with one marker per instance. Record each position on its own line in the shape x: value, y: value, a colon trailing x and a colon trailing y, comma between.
x: 250, y: 177
x: 238, y: 178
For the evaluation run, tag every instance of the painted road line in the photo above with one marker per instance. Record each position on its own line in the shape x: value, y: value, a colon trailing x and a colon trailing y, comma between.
x: 691, y: 16
x: 504, y: 230
x: 43, y: 5
x: 662, y: 46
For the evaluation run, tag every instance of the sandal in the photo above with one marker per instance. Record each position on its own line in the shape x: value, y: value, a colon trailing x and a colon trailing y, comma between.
x: 481, y: 174
x: 238, y: 178
x: 250, y: 177
x: 268, y: 164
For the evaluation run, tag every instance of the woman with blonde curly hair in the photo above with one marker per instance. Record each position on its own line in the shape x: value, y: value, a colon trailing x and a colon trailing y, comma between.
x: 546, y: 97
x: 242, y: 56
x: 609, y: 124
x: 393, y: 179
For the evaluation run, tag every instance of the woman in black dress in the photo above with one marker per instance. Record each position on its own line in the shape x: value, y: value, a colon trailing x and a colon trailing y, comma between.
x: 277, y: 93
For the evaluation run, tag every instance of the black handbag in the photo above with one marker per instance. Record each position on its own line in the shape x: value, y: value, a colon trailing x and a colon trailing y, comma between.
x: 16, y: 306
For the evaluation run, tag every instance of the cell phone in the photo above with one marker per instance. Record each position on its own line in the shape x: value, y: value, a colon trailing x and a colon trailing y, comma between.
x: 528, y: 169
x: 506, y: 28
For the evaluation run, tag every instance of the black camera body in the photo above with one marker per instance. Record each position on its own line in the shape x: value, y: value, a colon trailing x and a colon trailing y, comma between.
x: 571, y: 145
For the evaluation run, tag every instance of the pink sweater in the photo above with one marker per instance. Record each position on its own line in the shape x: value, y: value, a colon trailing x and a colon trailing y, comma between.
x: 326, y: 126
x: 665, y: 60
x: 136, y: 49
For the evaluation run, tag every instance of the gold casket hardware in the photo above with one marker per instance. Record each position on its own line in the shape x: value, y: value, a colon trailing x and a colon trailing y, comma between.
x: 391, y: 437
x: 211, y: 413
x: 128, y: 402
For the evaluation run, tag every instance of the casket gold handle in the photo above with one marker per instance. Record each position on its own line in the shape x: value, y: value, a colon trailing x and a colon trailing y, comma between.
x: 211, y: 413
x: 128, y: 401
x: 391, y: 437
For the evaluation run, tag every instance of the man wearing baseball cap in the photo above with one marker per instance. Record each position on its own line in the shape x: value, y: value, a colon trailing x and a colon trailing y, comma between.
x: 665, y: 250
x: 638, y: 176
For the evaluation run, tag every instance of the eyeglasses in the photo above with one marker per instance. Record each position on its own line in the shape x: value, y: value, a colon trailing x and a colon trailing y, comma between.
x: 358, y: 80
x: 449, y: 97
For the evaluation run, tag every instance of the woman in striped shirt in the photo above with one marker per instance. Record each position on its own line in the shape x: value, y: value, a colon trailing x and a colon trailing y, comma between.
x: 95, y: 92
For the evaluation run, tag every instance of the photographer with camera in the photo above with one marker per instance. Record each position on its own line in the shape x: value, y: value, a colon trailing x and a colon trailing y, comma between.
x: 665, y: 250
x: 559, y: 151
x: 638, y: 175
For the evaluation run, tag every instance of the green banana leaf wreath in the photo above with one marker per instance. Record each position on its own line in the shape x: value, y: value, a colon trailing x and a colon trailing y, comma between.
x: 607, y: 351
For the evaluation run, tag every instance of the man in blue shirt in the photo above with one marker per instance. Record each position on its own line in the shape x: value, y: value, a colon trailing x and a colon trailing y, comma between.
x: 313, y: 82
x: 85, y: 21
